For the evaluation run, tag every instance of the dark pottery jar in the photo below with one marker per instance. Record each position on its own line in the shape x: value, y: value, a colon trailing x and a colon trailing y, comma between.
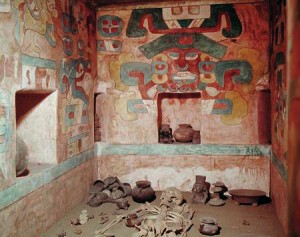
x: 209, y: 226
x: 184, y: 133
x: 143, y: 192
x: 200, y: 190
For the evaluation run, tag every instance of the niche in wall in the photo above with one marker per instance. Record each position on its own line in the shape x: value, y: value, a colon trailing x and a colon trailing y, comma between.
x: 179, y: 108
x: 36, y: 125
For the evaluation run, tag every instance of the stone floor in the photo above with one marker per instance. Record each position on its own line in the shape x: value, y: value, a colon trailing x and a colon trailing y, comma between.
x: 235, y: 220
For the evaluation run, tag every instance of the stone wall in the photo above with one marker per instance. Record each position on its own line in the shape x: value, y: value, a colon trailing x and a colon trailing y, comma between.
x: 39, y: 210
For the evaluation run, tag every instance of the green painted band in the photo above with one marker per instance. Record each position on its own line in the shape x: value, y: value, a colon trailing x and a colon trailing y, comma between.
x: 178, y: 149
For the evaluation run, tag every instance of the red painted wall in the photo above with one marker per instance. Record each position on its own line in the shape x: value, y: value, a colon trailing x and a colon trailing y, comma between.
x: 294, y: 118
x: 279, y: 88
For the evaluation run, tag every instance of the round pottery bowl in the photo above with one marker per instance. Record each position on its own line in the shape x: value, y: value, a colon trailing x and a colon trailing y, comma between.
x: 247, y: 196
x: 208, y: 226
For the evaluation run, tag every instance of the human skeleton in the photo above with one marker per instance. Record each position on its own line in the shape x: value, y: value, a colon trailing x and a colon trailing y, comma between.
x: 172, y: 218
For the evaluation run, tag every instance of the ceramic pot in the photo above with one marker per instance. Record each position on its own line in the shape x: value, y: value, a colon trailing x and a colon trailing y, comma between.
x: 184, y: 133
x: 200, y: 179
x: 200, y: 190
x: 165, y: 134
x: 208, y: 229
x: 143, y: 192
x: 165, y: 128
x: 209, y: 226
x: 97, y: 187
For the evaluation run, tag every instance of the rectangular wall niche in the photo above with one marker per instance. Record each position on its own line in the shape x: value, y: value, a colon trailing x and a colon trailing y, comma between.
x: 179, y: 108
x: 36, y: 123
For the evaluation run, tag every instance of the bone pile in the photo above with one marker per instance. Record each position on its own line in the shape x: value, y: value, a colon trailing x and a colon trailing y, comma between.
x: 172, y: 218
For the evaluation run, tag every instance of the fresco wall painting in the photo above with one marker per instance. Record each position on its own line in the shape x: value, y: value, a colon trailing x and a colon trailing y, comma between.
x: 47, y: 46
x: 279, y: 82
x: 9, y: 64
x: 279, y: 88
x: 66, y: 30
x: 209, y: 49
x: 293, y: 116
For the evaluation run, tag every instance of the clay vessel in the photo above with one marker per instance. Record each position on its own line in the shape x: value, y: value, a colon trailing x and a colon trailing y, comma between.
x: 97, y: 187
x: 209, y: 226
x: 200, y: 179
x: 184, y: 133
x: 165, y: 134
x: 247, y: 196
x: 143, y: 192
x: 200, y: 190
x: 208, y: 229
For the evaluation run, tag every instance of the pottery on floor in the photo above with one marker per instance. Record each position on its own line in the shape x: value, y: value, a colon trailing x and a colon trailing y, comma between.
x: 209, y: 226
x: 97, y: 187
x: 200, y: 190
x: 247, y: 196
x: 143, y: 192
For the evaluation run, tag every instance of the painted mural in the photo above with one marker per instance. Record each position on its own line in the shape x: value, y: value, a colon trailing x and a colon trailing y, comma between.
x: 8, y: 71
x: 56, y: 41
x: 191, y: 48
x: 294, y: 119
x: 279, y: 85
x: 279, y: 88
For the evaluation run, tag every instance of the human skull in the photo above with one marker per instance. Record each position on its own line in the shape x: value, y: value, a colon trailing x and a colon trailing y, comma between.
x: 171, y: 197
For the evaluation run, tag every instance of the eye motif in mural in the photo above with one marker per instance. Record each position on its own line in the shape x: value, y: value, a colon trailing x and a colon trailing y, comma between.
x: 109, y: 27
x: 36, y: 18
x: 69, y: 24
